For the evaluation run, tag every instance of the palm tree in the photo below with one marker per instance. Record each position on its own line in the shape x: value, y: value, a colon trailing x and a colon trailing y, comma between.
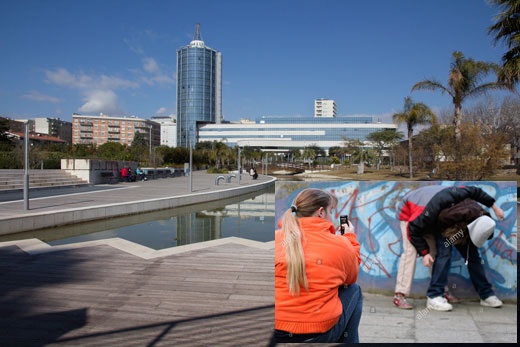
x: 362, y: 154
x: 412, y: 115
x: 463, y: 82
x: 507, y: 28
x: 309, y: 153
x: 220, y: 152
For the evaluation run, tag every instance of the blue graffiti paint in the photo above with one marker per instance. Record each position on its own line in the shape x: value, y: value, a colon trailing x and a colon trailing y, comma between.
x: 371, y: 208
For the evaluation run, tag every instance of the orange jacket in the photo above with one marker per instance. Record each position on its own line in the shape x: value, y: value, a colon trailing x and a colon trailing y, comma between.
x: 330, y: 261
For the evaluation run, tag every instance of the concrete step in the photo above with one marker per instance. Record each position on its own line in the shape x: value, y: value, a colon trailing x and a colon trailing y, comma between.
x: 40, y: 180
x: 4, y: 185
x: 14, y: 179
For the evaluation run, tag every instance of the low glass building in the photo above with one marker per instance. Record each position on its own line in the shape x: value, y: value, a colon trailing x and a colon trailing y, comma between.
x: 279, y: 133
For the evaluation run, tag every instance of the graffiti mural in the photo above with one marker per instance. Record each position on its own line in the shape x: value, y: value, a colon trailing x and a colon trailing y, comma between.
x: 371, y: 205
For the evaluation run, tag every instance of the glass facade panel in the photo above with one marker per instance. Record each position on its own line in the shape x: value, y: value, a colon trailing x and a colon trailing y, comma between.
x: 286, y: 132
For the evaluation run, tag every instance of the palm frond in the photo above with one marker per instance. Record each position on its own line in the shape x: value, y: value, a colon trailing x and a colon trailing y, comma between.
x: 431, y: 85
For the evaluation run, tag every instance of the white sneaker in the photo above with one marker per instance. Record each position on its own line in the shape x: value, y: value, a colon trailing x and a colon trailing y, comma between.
x: 492, y: 301
x: 439, y: 303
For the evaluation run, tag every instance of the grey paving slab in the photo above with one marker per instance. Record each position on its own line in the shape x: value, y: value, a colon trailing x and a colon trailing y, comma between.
x: 382, y: 322
x: 443, y: 335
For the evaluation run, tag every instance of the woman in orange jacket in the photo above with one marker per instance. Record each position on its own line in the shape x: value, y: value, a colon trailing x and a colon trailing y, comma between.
x: 317, y: 298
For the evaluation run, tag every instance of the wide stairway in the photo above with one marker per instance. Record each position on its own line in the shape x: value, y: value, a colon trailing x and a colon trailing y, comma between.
x: 14, y: 179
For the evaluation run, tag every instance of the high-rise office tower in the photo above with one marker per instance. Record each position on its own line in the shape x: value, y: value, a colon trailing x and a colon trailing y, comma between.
x: 199, y: 88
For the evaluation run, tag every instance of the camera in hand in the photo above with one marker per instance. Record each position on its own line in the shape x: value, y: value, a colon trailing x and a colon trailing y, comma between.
x: 343, y: 220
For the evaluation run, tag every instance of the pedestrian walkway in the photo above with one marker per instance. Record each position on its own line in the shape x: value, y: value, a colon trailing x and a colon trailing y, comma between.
x: 468, y: 322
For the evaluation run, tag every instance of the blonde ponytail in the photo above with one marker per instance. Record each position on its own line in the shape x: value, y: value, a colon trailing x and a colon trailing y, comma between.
x: 306, y: 203
x: 293, y: 243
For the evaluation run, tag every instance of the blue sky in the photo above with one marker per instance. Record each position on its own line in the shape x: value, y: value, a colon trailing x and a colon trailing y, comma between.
x: 119, y: 57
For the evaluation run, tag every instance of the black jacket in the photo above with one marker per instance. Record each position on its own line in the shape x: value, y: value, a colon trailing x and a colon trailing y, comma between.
x: 427, y: 220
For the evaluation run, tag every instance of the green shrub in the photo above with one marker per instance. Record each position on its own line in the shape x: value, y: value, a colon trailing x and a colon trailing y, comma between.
x: 214, y: 170
x: 10, y: 160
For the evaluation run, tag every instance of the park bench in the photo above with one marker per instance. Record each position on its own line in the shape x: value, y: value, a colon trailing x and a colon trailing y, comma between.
x: 109, y: 177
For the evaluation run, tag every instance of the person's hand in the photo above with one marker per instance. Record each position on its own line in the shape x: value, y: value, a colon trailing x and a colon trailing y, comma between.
x: 348, y: 227
x: 427, y: 260
x: 498, y: 212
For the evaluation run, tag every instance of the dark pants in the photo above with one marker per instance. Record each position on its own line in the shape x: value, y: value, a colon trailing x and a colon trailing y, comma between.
x: 476, y: 270
x: 345, y: 330
x: 441, y: 268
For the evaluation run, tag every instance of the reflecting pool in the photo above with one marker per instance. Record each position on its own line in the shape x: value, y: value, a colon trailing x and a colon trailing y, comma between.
x: 249, y: 216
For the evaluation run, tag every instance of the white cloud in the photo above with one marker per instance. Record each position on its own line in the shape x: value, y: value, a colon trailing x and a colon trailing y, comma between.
x: 162, y: 110
x: 163, y: 79
x: 85, y: 82
x: 99, y: 101
x: 155, y: 74
x: 150, y: 65
x: 63, y: 77
x: 113, y: 82
x: 37, y: 96
x: 98, y: 91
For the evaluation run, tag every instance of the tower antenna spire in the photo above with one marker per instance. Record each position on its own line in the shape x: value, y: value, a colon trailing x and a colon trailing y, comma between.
x: 197, y: 40
x: 197, y: 32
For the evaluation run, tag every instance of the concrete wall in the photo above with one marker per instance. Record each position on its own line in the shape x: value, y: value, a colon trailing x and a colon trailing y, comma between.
x: 91, y: 169
x: 371, y: 208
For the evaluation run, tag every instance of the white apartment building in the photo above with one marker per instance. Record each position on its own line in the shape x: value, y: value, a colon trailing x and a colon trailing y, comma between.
x: 325, y: 108
x: 168, y: 130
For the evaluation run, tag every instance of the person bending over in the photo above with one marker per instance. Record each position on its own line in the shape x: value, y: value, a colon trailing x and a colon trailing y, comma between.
x: 419, y: 212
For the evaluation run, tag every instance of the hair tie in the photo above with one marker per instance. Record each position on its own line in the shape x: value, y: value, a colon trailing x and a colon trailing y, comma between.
x: 293, y: 209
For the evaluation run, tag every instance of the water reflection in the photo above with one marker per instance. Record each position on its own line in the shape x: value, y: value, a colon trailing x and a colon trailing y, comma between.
x: 249, y: 216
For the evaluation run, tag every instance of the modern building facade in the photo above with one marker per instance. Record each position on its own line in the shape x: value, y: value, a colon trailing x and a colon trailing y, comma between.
x: 54, y: 127
x: 285, y: 133
x: 199, y: 88
x: 168, y: 130
x: 101, y: 129
x: 324, y: 108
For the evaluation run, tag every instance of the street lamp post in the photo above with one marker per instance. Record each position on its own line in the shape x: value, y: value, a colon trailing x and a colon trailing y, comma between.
x: 244, y: 143
x: 150, y: 142
x: 239, y: 167
x: 191, y: 170
x: 26, y: 169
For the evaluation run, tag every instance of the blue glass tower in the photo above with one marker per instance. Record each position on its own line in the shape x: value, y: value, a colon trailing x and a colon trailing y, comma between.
x: 199, y: 88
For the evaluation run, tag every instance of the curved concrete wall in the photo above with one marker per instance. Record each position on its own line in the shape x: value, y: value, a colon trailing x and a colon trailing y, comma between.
x: 371, y: 207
